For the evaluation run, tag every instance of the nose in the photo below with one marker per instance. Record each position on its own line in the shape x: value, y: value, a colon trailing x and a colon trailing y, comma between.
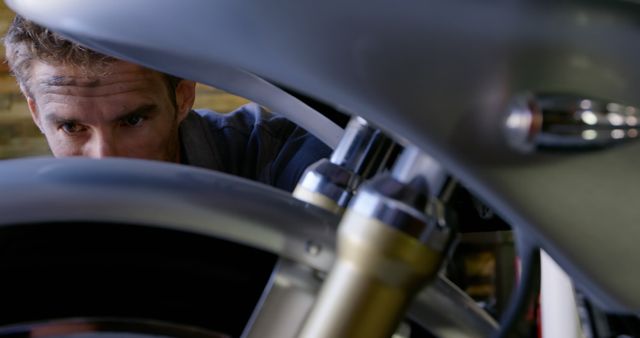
x: 101, y: 145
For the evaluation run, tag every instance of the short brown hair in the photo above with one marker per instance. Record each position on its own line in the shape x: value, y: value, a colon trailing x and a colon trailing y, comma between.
x: 26, y: 41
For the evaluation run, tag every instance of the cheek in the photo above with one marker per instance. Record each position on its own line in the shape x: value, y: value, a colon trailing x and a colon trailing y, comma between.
x: 61, y: 146
x: 154, y: 141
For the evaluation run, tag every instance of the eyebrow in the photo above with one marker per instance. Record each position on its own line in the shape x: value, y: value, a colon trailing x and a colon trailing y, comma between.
x: 56, y: 119
x: 144, y: 109
x: 61, y: 81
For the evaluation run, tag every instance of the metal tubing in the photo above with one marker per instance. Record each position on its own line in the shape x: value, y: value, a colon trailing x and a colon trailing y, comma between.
x: 378, y: 271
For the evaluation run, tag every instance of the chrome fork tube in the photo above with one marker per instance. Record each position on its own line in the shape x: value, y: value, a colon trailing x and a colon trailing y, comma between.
x: 390, y: 242
x: 362, y: 152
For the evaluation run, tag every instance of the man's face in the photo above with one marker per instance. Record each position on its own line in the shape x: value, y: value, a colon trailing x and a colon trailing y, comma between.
x: 126, y: 112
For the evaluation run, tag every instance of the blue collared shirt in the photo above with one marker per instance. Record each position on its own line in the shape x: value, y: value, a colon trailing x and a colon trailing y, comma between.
x: 250, y: 143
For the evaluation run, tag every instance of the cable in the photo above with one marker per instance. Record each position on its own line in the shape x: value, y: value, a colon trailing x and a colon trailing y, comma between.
x: 527, y: 288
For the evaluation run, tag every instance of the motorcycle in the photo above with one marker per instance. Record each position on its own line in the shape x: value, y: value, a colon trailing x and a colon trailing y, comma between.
x: 529, y: 105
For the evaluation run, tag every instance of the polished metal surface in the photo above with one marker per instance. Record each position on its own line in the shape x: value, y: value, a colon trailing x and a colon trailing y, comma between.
x: 376, y: 275
x: 327, y: 185
x: 439, y: 74
x: 568, y: 122
x: 169, y: 196
x: 387, y: 249
x: 362, y: 152
x: 285, y: 303
x: 413, y: 162
x: 154, y: 194
x: 405, y: 207
x: 441, y: 308
x: 470, y: 322
x: 396, y: 214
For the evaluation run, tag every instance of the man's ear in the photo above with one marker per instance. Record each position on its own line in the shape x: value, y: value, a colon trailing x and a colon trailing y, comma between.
x: 185, y: 97
x: 33, y: 108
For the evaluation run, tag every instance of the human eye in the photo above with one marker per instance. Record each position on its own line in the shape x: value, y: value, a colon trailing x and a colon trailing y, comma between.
x: 135, y: 120
x: 71, y: 127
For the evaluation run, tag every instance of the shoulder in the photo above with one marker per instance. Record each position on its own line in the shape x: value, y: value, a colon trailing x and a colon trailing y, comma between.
x: 260, y: 145
x: 248, y: 119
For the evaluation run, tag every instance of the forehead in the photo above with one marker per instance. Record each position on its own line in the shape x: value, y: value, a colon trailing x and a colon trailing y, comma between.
x: 107, y: 79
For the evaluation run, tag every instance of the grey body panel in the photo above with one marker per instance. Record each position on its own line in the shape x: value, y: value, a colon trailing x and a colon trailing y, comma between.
x: 193, y: 200
x: 438, y: 73
x: 147, y: 193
